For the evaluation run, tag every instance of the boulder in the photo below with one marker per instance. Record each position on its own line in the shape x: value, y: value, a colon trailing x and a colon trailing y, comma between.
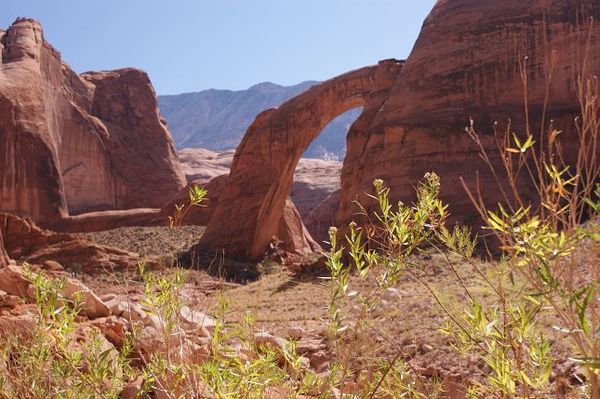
x: 71, y: 144
x: 132, y: 312
x: 88, y: 301
x: 14, y: 282
x: 197, y: 322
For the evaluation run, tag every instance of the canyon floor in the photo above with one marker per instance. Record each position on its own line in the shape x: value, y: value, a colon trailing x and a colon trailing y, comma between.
x: 294, y: 304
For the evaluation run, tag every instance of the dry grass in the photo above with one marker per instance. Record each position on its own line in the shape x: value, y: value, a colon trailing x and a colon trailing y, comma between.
x: 408, y: 319
x: 149, y: 241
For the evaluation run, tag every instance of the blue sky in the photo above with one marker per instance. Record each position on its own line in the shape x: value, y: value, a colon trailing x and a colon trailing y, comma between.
x: 191, y: 45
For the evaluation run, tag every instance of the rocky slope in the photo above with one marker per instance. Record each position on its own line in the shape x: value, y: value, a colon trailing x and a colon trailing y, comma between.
x: 71, y: 144
x: 218, y: 119
x: 471, y: 61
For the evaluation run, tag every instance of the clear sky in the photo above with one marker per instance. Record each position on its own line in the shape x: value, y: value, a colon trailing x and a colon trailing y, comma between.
x: 191, y: 45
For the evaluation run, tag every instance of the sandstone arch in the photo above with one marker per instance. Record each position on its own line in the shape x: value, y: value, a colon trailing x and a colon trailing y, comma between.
x: 249, y: 209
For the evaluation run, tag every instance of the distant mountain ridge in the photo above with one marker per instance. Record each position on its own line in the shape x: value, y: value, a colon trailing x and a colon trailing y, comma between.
x: 218, y: 119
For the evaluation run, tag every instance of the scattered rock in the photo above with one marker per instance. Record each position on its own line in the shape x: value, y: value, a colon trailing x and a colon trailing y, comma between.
x: 295, y: 333
x: 197, y: 322
x: 391, y: 294
x: 52, y: 266
x: 89, y: 303
x: 113, y: 328
x: 132, y: 312
x: 319, y: 361
x: 425, y: 348
x: 133, y: 389
x: 14, y: 282
x: 410, y: 350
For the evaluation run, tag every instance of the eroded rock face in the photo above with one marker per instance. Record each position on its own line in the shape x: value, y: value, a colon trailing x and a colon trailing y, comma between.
x: 466, y: 64
x: 249, y: 210
x: 71, y: 144
x: 295, y: 238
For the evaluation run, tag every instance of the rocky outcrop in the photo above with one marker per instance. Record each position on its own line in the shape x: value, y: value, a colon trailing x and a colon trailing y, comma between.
x: 314, y: 179
x: 71, y: 144
x: 293, y: 236
x: 108, y: 220
x: 26, y: 242
x: 248, y: 212
x: 471, y: 61
x: 320, y: 219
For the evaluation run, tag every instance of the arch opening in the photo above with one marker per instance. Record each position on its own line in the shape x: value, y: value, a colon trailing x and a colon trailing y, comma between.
x: 317, y: 178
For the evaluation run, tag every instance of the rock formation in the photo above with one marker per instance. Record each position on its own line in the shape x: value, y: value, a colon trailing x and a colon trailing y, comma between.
x: 470, y: 61
x: 26, y: 242
x: 314, y: 179
x: 467, y: 63
x: 248, y: 212
x: 70, y: 144
x: 264, y: 164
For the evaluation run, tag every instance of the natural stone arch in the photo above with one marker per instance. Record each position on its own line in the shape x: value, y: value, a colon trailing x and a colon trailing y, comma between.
x: 249, y: 209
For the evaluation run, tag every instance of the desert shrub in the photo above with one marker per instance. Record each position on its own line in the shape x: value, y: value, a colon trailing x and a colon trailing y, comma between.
x: 544, y: 282
x: 541, y: 289
x: 57, y: 358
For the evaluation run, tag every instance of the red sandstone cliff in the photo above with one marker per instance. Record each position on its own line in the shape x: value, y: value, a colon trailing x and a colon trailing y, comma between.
x: 71, y: 144
x: 468, y: 62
